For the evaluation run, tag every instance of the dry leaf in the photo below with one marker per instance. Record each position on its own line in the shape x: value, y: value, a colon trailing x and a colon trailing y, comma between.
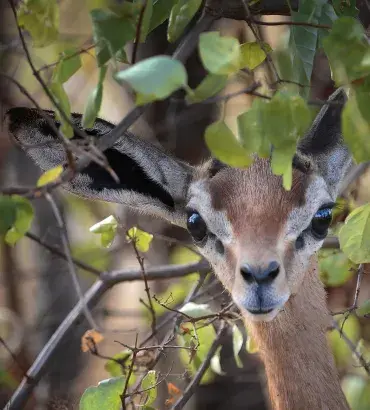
x: 90, y: 339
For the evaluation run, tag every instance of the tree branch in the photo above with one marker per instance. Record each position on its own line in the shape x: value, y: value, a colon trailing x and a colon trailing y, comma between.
x: 92, y: 296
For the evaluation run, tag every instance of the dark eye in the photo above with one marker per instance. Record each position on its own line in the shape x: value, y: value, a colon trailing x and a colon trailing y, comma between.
x: 196, y: 226
x: 321, y: 222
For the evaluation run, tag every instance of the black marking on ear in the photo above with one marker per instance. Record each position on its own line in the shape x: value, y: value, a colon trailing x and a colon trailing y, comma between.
x: 325, y: 133
x: 131, y: 176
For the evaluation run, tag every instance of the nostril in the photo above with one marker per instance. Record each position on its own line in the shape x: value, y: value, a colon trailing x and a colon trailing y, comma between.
x: 247, y: 273
x: 272, y: 275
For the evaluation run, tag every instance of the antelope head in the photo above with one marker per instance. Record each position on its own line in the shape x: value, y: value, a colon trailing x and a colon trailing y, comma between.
x: 258, y: 237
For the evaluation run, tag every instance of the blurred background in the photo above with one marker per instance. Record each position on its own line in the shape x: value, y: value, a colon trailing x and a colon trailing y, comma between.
x: 36, y: 292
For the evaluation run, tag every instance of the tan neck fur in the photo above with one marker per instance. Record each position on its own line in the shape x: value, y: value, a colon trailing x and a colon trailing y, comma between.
x: 299, y: 365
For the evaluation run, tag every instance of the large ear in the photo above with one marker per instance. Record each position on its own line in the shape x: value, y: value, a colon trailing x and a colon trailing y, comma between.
x: 324, y: 144
x: 149, y: 180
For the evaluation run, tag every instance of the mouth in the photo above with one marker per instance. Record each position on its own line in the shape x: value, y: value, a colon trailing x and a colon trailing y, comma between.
x: 260, y: 311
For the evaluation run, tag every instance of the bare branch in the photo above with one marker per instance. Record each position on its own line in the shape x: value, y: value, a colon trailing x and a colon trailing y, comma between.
x: 189, y: 391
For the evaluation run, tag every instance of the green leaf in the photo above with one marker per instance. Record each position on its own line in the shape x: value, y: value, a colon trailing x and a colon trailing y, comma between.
x: 216, y: 363
x: 364, y: 309
x: 61, y: 97
x: 41, y: 19
x: 237, y: 344
x: 335, y: 267
x: 111, y: 32
x: 142, y: 239
x: 24, y: 214
x: 149, y: 382
x: 328, y: 16
x: 357, y: 391
x: 210, y: 86
x: 290, y: 115
x: 69, y: 64
x: 50, y: 176
x: 94, y: 101
x: 347, y: 50
x: 193, y: 359
x: 8, y: 213
x: 303, y: 40
x: 145, y: 25
x: 107, y: 228
x: 219, y: 55
x: 342, y: 353
x: 154, y: 78
x: 181, y: 14
x: 345, y: 7
x: 252, y: 55
x: 224, y: 145
x: 354, y: 236
x: 161, y: 12
x: 106, y: 395
x: 251, y: 345
x: 356, y: 121
x: 250, y: 129
x: 196, y: 310
x: 114, y: 368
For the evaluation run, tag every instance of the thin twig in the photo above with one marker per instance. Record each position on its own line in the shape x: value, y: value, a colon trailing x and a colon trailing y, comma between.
x: 131, y: 368
x: 61, y: 254
x: 189, y: 391
x: 71, y: 266
x: 140, y: 260
x: 288, y: 23
x: 92, y: 296
x: 353, y: 348
x: 138, y: 32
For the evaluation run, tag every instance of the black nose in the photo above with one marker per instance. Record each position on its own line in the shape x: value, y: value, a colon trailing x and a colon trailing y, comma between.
x: 258, y: 274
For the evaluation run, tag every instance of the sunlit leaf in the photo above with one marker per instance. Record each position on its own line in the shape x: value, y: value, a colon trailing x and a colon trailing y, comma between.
x: 89, y: 339
x: 149, y: 382
x: 237, y: 344
x: 210, y: 86
x: 61, y: 98
x: 41, y: 19
x: 195, y: 310
x: 219, y: 55
x: 94, y: 101
x: 114, y: 368
x: 364, y: 309
x: 50, y: 176
x: 69, y: 64
x: 107, y: 228
x: 24, y: 214
x: 357, y: 391
x: 106, y: 395
x: 348, y: 50
x: 142, y: 239
x: 343, y: 353
x: 154, y: 78
x: 181, y: 14
x: 252, y: 55
x: 8, y: 213
x: 193, y: 359
x: 216, y: 362
x: 335, y: 267
x: 354, y: 236
x: 224, y: 145
x: 251, y: 345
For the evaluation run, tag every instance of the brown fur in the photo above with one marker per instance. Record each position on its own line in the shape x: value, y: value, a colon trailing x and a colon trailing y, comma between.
x: 299, y: 365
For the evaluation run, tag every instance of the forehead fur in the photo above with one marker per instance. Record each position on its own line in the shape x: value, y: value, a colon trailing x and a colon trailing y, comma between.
x: 247, y: 195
